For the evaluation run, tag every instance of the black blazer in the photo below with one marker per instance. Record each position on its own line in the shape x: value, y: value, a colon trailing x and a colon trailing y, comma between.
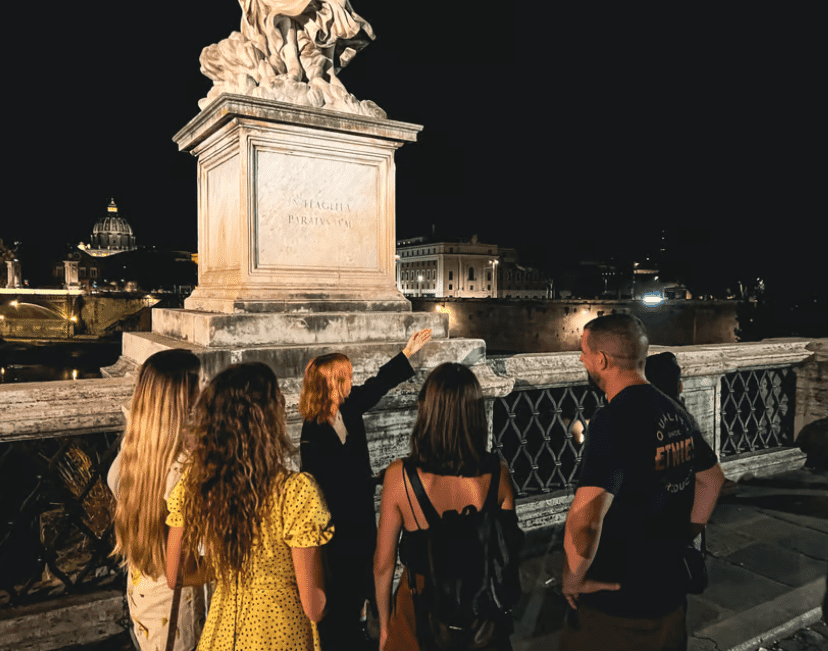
x: 343, y: 471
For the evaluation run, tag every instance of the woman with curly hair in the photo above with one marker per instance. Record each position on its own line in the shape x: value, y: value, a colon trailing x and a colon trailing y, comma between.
x: 334, y: 450
x: 243, y: 519
x: 148, y: 466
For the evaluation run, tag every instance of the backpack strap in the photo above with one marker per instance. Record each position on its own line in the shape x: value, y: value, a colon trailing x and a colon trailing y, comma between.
x: 432, y: 517
x: 494, y: 484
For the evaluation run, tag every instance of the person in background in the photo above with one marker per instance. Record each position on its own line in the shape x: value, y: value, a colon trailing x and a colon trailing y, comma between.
x: 141, y: 477
x: 649, y: 482
x: 663, y: 372
x: 334, y: 449
x: 260, y: 527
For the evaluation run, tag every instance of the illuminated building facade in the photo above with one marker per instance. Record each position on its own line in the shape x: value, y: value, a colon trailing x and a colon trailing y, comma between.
x: 464, y: 269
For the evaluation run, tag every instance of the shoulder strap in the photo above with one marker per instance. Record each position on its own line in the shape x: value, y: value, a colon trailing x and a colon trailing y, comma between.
x: 494, y: 484
x: 408, y: 497
x: 432, y: 517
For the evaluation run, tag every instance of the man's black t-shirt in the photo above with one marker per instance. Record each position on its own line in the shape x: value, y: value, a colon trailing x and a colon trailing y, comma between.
x: 645, y: 449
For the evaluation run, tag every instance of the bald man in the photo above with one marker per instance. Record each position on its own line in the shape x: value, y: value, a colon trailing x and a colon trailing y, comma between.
x: 648, y: 484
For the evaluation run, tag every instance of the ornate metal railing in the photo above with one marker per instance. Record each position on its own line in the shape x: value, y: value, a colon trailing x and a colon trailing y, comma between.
x: 539, y: 433
x: 757, y: 410
x: 56, y: 518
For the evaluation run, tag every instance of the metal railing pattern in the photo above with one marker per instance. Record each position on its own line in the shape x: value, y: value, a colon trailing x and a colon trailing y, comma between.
x: 56, y: 518
x: 539, y: 433
x: 757, y: 410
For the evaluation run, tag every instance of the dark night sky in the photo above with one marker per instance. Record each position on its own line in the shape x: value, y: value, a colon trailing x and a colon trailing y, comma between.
x: 579, y: 134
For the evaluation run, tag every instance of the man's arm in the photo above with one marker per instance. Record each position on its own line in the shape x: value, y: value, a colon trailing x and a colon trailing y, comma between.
x: 581, y: 538
x: 708, y: 486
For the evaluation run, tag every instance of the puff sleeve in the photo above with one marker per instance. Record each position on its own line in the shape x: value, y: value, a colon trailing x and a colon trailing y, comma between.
x: 175, y: 505
x: 305, y: 517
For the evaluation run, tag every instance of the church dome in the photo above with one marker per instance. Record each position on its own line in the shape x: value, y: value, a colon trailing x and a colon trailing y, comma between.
x: 112, y: 233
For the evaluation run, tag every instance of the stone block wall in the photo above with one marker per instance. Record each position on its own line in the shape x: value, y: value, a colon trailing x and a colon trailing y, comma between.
x: 553, y: 326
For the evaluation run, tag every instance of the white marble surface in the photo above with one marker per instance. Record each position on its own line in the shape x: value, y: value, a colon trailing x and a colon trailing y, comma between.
x: 294, y: 216
x: 291, y: 51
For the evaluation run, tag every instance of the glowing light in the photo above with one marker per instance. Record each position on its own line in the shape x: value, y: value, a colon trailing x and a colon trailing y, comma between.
x: 14, y: 303
x: 652, y: 298
x: 74, y: 374
x: 73, y: 319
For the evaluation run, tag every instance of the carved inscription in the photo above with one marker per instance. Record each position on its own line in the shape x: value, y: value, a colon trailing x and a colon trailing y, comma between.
x: 316, y: 220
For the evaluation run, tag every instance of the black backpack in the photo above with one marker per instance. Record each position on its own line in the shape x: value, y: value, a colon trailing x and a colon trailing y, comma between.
x: 473, y: 560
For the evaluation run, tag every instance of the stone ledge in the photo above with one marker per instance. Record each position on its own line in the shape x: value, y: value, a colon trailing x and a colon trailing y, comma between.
x: 228, y: 107
x: 79, y: 619
x: 32, y: 410
x: 764, y: 463
x: 278, y: 328
x: 544, y: 370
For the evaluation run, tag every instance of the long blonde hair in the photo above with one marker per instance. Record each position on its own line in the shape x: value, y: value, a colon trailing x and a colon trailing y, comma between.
x: 237, y: 465
x: 154, y: 438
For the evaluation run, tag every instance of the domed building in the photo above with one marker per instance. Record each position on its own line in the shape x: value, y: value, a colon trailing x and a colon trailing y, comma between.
x: 111, y: 234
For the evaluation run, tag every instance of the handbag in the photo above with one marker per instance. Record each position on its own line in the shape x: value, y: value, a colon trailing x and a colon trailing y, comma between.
x: 696, y: 566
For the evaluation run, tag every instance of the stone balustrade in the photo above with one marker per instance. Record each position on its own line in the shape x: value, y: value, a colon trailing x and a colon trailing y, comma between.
x: 746, y: 397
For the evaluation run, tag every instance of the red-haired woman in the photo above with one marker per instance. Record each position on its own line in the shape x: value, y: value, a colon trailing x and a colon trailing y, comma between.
x: 334, y: 449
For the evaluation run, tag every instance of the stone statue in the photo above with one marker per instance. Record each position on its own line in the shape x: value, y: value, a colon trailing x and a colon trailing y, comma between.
x: 291, y: 51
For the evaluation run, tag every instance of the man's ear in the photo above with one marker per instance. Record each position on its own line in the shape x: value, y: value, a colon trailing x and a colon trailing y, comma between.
x: 603, y: 362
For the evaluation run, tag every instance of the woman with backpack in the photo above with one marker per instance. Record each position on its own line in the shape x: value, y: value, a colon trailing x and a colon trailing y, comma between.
x: 458, y: 581
x: 141, y: 478
x: 258, y: 525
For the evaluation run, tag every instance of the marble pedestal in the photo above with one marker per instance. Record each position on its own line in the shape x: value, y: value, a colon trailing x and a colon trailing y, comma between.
x: 296, y: 241
x: 295, y: 208
x: 296, y: 245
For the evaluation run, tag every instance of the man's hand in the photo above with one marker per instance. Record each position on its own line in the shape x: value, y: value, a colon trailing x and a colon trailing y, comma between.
x: 572, y: 586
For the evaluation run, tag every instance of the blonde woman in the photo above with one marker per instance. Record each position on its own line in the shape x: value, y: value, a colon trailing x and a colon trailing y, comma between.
x: 141, y: 478
x: 259, y: 525
x: 334, y: 450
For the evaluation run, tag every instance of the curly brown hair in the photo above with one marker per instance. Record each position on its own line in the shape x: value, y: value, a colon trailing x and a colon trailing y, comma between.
x: 237, y: 465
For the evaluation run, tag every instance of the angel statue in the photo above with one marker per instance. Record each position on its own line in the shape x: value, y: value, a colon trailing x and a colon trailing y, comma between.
x: 291, y: 51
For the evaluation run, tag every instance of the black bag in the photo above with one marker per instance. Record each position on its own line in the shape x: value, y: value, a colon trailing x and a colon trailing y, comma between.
x: 472, y: 583
x: 694, y: 564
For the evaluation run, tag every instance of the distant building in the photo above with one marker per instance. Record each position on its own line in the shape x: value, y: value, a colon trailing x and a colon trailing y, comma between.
x: 111, y: 234
x: 464, y: 269
x: 519, y: 281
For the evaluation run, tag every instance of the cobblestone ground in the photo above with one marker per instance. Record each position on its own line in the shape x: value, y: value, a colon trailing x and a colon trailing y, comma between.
x: 810, y: 638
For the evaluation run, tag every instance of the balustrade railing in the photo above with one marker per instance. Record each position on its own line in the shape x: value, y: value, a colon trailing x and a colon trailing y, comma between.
x: 757, y: 410
x: 56, y: 533
x: 57, y: 441
x: 539, y: 433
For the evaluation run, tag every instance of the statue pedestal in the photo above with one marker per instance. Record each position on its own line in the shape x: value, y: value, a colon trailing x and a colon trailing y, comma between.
x: 296, y: 243
x: 296, y: 246
x: 295, y: 208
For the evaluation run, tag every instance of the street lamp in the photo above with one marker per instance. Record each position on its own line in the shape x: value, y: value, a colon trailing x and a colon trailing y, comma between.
x: 419, y: 285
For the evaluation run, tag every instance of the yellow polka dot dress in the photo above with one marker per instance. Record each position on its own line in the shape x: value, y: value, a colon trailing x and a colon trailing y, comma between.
x: 262, y: 611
